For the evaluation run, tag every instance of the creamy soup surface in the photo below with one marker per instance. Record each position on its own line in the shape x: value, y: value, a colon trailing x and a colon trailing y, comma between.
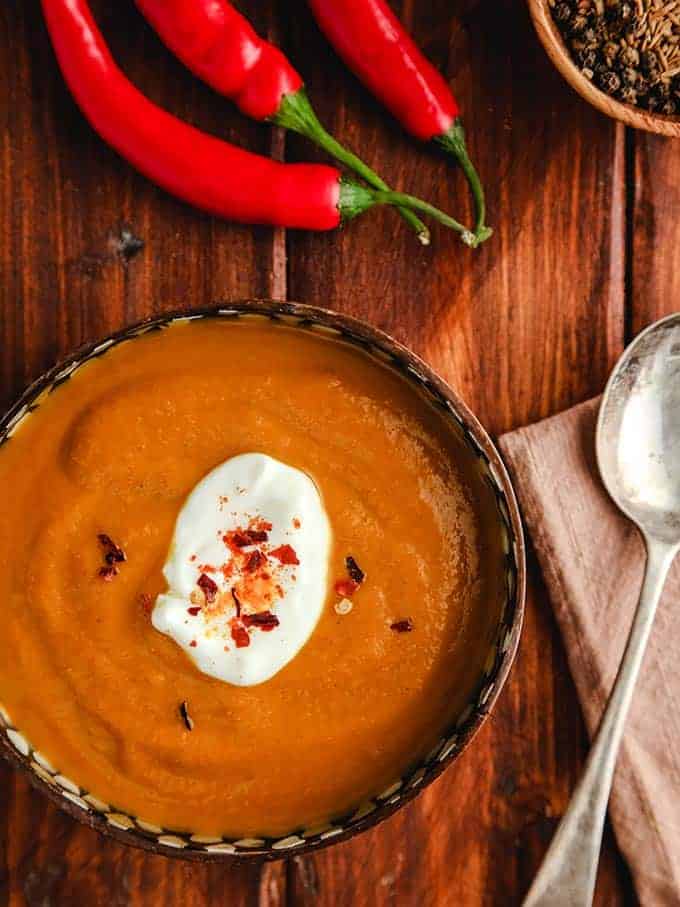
x: 115, y: 451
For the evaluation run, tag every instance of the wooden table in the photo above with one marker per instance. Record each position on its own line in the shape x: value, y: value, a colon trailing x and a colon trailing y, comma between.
x: 530, y: 324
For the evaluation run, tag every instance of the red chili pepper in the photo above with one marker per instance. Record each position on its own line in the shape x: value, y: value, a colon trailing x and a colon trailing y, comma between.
x: 199, y: 168
x: 208, y: 173
x: 220, y: 46
x: 376, y: 46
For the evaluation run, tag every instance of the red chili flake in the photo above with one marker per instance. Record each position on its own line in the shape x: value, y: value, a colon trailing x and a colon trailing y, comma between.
x: 194, y: 611
x: 186, y: 718
x: 255, y: 560
x: 193, y: 558
x: 296, y: 523
x: 402, y: 626
x: 193, y: 643
x: 209, y: 588
x: 207, y: 568
x: 237, y: 539
x: 147, y: 603
x: 257, y: 535
x: 114, y: 554
x: 354, y: 570
x: 108, y: 573
x: 265, y: 620
x: 115, y: 557
x: 237, y: 601
x: 346, y: 587
x: 286, y: 554
x: 240, y: 636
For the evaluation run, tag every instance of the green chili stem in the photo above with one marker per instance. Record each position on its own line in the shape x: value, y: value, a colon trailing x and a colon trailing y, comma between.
x: 453, y: 141
x: 410, y: 201
x: 356, y: 198
x: 296, y: 113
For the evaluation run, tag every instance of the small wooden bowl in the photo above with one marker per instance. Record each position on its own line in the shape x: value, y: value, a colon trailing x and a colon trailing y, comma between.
x: 552, y: 41
x: 129, y: 829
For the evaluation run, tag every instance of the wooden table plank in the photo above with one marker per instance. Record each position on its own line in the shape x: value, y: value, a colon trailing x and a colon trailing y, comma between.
x: 655, y: 229
x: 65, y: 202
x: 525, y: 327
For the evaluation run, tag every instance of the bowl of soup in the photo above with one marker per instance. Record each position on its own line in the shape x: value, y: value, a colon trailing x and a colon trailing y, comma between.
x: 263, y: 575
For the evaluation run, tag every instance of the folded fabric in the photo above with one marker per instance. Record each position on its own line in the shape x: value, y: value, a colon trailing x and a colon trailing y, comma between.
x: 593, y: 559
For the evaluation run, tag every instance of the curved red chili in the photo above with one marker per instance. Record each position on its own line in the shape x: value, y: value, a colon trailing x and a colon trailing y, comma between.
x: 221, y: 47
x: 209, y: 173
x: 376, y: 46
x: 202, y: 170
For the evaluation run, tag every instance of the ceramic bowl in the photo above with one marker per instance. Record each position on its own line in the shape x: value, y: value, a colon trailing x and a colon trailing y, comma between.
x: 557, y: 50
x: 114, y: 822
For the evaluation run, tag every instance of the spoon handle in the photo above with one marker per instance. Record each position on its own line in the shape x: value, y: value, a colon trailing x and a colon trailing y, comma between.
x: 569, y: 870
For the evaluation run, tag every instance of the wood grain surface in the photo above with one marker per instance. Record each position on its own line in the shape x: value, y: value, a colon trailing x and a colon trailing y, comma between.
x: 587, y: 225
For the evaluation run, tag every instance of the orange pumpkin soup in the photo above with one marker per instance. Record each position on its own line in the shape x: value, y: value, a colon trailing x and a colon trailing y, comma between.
x: 92, y: 485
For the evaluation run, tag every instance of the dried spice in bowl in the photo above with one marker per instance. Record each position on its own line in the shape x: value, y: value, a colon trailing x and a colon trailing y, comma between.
x: 629, y: 48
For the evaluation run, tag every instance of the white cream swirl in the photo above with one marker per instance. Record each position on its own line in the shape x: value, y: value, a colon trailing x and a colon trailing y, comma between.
x: 247, y: 569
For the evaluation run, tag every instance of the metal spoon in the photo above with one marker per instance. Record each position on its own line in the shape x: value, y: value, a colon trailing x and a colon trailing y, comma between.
x: 638, y: 453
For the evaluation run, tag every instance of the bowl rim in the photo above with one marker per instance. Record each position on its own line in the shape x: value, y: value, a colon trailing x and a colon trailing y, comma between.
x: 554, y: 45
x: 381, y: 346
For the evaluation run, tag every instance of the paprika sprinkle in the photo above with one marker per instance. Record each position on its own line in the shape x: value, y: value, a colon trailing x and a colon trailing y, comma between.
x: 376, y: 46
x: 286, y: 554
x: 206, y: 172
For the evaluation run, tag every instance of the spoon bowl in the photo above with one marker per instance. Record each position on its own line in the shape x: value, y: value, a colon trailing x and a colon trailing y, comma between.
x: 638, y: 432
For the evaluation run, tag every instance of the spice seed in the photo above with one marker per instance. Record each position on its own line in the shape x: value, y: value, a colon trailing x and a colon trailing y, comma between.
x: 344, y: 606
x: 631, y: 51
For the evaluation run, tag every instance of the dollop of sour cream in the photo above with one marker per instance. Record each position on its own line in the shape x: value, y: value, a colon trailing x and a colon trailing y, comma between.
x: 247, y: 569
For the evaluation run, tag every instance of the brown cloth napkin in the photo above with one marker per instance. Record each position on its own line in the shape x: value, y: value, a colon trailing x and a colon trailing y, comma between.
x: 592, y: 559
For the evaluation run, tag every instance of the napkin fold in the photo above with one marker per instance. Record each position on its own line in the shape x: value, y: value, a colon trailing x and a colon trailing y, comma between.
x: 592, y: 559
